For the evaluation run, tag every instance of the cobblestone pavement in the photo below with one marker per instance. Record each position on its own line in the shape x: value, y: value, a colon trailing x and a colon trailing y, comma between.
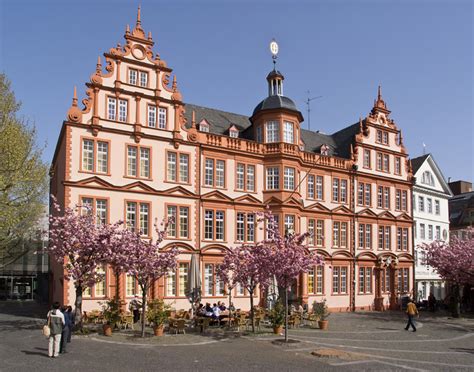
x: 354, y: 342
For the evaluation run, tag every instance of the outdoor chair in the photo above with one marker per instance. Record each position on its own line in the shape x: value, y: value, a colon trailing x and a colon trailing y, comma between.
x: 242, y: 322
x: 204, y: 324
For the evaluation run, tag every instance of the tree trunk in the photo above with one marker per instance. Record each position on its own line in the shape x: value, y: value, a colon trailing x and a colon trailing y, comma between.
x: 230, y: 311
x: 455, y: 302
x: 78, y: 308
x: 286, y: 314
x: 117, y: 289
x: 251, y: 311
x: 144, y: 290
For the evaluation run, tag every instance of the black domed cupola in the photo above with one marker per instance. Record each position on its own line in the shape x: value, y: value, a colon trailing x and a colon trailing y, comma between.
x: 276, y: 118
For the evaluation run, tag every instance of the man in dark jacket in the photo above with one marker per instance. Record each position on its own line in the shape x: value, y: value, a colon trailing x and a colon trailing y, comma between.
x: 66, y: 333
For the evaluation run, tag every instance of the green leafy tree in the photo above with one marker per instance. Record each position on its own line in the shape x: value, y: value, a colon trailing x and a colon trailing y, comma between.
x: 23, y: 179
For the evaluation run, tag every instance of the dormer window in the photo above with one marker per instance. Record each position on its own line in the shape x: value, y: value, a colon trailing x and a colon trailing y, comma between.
x: 272, y: 132
x: 259, y: 134
x: 233, y: 132
x: 288, y: 132
x: 204, y: 126
x: 427, y: 178
x: 325, y: 150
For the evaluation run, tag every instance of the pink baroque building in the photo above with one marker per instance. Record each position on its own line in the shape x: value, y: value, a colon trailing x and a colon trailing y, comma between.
x: 137, y: 152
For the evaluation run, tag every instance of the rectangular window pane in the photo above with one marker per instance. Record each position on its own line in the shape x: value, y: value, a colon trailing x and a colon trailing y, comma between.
x: 183, y: 278
x: 240, y: 227
x: 101, y: 211
x: 171, y: 167
x: 335, y: 280
x: 183, y: 168
x: 311, y: 186
x: 102, y: 157
x: 183, y: 222
x: 172, y: 210
x: 311, y: 232
x: 343, y: 191
x: 319, y: 233
x: 288, y: 134
x: 209, y: 173
x: 289, y: 179
x: 152, y: 116
x: 250, y: 177
x: 250, y: 227
x: 111, y: 108
x: 319, y: 187
x: 171, y: 284
x: 208, y: 279
x: 335, y: 189
x: 143, y: 78
x: 144, y: 219
x: 144, y: 162
x: 209, y: 224
x: 131, y: 161
x: 311, y: 281
x: 343, y: 279
x: 122, y: 110
x: 272, y: 132
x: 132, y: 77
x: 88, y: 155
x: 219, y: 225
x: 240, y: 176
x: 220, y: 173
x: 273, y: 180
x: 319, y: 281
x: 162, y: 118
x: 131, y: 215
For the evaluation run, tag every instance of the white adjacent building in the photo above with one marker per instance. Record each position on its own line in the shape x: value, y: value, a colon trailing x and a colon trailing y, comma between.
x: 431, y: 222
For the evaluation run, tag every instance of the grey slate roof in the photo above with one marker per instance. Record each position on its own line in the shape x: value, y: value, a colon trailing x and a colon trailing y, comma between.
x: 275, y: 102
x: 417, y: 162
x: 221, y: 121
x: 459, y: 209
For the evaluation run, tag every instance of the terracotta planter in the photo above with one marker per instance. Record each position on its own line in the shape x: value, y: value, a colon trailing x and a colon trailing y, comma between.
x: 277, y: 330
x: 107, y: 329
x: 323, y: 324
x: 158, y: 330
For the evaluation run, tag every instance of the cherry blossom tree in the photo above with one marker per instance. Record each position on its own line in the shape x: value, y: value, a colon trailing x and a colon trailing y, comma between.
x: 454, y: 262
x: 289, y: 257
x: 77, y: 244
x: 225, y: 274
x: 247, y: 265
x: 144, y: 260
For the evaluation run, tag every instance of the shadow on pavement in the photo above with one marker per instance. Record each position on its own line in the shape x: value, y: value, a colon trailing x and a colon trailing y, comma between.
x: 463, y: 349
x: 28, y: 352
x: 29, y: 309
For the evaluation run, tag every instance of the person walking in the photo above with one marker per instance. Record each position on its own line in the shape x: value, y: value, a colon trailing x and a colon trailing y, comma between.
x: 56, y: 323
x: 411, y: 312
x: 135, y: 308
x: 66, y: 333
x: 70, y: 314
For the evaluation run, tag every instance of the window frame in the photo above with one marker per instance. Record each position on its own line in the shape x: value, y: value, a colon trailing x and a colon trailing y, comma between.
x: 138, y: 162
x: 177, y: 280
x: 214, y: 173
x: 178, y: 167
x: 214, y: 225
x: 177, y: 227
x: 339, y: 278
x: 246, y: 167
x: 95, y: 158
x: 138, y: 221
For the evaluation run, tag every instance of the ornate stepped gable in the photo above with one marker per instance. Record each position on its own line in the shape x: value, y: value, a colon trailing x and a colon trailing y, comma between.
x: 138, y: 53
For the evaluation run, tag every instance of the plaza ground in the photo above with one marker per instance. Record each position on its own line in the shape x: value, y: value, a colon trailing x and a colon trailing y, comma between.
x: 360, y: 341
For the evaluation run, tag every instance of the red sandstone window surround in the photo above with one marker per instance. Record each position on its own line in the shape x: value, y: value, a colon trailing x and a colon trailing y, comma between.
x: 339, y: 279
x: 138, y: 216
x: 98, y: 206
x: 316, y: 229
x: 138, y: 77
x: 339, y: 190
x: 384, y: 241
x: 364, y: 194
x: 179, y: 229
x: 117, y: 109
x: 212, y: 285
x: 365, y: 236
x: 176, y: 281
x: 214, y: 224
x: 367, y: 159
x: 94, y: 156
x: 245, y: 177
x: 245, y: 227
x: 315, y: 283
x: 177, y: 167
x: 214, y: 173
x: 402, y: 239
x: 339, y: 234
x: 365, y: 280
x: 99, y: 289
x: 138, y: 162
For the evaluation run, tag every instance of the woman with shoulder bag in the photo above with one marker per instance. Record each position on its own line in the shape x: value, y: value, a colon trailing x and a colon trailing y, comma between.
x: 56, y: 323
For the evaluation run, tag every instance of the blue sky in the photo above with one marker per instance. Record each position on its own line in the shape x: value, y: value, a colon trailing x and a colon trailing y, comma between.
x: 421, y: 52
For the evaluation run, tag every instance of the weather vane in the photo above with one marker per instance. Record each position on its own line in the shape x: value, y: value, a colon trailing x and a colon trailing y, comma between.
x: 274, y: 51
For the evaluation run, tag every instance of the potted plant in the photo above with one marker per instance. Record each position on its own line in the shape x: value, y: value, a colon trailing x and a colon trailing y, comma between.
x: 320, y: 310
x: 157, y: 314
x: 112, y: 315
x: 277, y: 317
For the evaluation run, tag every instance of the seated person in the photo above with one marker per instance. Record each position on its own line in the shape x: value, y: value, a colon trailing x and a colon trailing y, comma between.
x: 232, y: 307
x: 201, y: 310
x: 209, y: 312
x: 216, y: 312
x: 221, y: 306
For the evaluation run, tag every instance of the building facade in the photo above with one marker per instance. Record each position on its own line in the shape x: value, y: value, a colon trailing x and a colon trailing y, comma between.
x: 137, y: 152
x: 431, y: 196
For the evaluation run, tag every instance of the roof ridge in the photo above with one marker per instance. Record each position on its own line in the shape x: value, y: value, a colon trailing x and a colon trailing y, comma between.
x: 214, y: 109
